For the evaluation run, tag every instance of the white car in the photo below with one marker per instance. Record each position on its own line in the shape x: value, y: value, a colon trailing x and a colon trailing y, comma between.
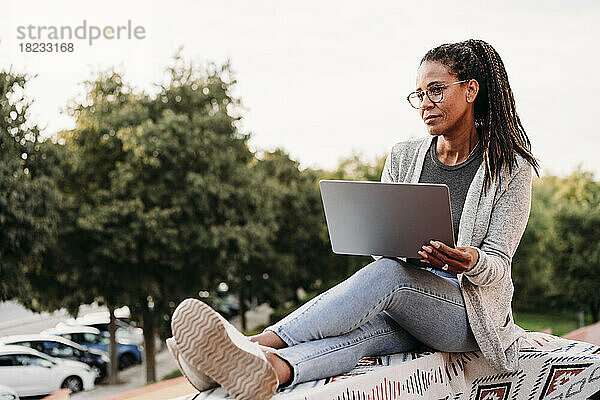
x: 7, y: 393
x: 31, y: 373
x: 60, y: 347
x: 125, y: 332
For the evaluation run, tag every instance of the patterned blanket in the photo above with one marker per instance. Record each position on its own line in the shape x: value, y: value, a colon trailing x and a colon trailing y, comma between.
x: 549, y: 368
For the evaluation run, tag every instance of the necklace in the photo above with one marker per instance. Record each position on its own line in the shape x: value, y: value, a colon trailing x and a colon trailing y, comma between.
x: 473, y: 151
x: 434, y: 154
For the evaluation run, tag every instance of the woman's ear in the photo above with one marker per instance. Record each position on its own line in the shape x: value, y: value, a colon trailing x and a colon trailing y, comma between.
x: 472, y: 90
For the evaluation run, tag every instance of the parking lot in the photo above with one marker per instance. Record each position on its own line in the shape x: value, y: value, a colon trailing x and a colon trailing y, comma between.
x: 16, y: 320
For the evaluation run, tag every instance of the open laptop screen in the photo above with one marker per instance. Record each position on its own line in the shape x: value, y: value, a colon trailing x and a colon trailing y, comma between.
x: 386, y: 219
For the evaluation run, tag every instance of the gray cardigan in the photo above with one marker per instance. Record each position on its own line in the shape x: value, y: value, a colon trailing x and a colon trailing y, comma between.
x: 493, y: 223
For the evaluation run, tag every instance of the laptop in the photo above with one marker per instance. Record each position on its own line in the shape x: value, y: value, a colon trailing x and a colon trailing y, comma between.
x: 386, y: 219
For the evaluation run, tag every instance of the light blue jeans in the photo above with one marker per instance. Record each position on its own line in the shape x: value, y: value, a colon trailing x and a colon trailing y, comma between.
x: 386, y: 307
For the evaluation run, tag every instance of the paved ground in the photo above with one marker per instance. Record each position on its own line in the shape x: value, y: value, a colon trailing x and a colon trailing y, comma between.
x: 132, y: 378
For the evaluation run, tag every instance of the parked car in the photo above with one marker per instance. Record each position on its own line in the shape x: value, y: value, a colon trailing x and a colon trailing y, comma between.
x: 7, y: 393
x: 59, y: 347
x: 100, y: 320
x: 31, y: 373
x: 129, y: 354
x: 226, y: 304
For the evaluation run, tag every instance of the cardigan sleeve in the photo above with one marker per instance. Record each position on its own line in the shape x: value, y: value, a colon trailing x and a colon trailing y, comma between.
x: 386, y: 175
x: 508, y: 220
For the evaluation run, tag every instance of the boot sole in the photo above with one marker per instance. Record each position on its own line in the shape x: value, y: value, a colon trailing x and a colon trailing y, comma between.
x: 203, y: 341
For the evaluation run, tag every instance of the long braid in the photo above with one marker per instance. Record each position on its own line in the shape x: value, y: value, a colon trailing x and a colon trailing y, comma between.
x: 500, y: 130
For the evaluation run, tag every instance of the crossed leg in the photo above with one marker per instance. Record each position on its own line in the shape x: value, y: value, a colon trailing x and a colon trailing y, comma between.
x: 386, y: 307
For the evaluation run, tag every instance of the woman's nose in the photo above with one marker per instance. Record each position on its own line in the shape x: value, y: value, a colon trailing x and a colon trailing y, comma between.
x: 426, y: 103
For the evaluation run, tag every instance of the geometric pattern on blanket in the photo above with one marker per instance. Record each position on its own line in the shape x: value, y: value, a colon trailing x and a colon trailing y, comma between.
x: 550, y: 368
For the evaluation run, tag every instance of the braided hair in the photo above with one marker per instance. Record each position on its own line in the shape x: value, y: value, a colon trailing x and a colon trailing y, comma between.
x: 501, y: 133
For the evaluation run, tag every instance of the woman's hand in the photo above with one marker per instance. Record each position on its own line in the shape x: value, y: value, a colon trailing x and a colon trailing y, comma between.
x: 455, y: 261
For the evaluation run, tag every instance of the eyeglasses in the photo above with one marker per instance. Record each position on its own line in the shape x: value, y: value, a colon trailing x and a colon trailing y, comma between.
x: 435, y: 94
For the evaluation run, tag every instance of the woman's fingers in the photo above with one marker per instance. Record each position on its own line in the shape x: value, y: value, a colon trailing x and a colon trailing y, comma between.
x: 456, y: 265
x: 466, y: 256
x: 457, y: 260
x: 444, y: 258
x: 431, y: 259
x: 436, y: 262
x: 451, y: 252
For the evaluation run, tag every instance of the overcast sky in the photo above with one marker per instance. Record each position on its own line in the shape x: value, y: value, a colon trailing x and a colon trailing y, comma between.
x: 324, y: 79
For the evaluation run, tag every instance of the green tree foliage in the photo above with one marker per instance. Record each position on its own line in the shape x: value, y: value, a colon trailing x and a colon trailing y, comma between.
x: 357, y: 169
x: 578, y: 248
x: 536, y: 287
x: 298, y: 249
x: 160, y: 198
x: 28, y: 199
x: 558, y: 257
x: 204, y: 221
x: 96, y: 230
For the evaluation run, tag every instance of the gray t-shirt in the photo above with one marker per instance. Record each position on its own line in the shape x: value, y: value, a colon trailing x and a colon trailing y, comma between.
x: 457, y: 177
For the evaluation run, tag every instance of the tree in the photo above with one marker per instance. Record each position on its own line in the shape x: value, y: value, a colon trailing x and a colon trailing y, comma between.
x: 536, y: 286
x: 159, y: 198
x: 298, y: 249
x: 578, y: 251
x: 189, y: 169
x: 559, y: 253
x: 28, y: 199
x: 355, y: 168
x: 87, y: 261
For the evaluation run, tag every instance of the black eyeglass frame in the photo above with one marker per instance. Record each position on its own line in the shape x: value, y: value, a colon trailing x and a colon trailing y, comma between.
x: 420, y: 94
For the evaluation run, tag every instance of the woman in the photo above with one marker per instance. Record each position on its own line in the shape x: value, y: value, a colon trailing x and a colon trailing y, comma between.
x: 452, y: 299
